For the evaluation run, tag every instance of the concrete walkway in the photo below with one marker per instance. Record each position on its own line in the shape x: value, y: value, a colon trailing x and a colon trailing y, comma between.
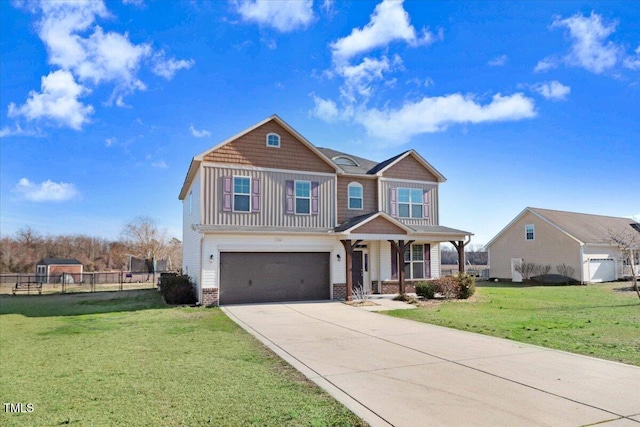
x: 398, y: 372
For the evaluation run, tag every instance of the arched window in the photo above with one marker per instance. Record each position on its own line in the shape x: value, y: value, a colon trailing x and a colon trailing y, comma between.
x: 344, y: 161
x: 355, y: 195
x: 273, y: 140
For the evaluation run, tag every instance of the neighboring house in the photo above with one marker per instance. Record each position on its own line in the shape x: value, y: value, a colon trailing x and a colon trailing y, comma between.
x: 548, y: 237
x: 267, y: 216
x: 53, y: 270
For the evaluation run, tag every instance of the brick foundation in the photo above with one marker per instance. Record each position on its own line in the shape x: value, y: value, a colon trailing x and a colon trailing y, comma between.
x: 394, y: 287
x: 210, y: 297
x: 340, y: 291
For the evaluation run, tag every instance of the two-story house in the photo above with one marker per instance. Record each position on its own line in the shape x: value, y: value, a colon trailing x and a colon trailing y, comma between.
x: 267, y: 216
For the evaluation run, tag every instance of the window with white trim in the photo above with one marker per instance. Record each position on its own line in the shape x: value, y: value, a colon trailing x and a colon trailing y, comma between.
x: 355, y: 195
x: 241, y: 194
x: 303, y: 197
x: 344, y: 161
x: 414, y: 262
x: 529, y: 232
x: 410, y: 203
x: 273, y: 140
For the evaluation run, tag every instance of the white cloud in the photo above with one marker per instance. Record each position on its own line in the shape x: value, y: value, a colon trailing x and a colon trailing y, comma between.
x: 498, y: 61
x: 134, y: 2
x: 199, y: 133
x: 328, y: 7
x: 389, y: 22
x: 546, y: 64
x: 18, y: 131
x: 57, y: 101
x: 436, y: 114
x: 110, y: 141
x: 633, y: 62
x: 553, y: 90
x: 325, y: 109
x: 167, y: 68
x: 160, y: 164
x: 590, y: 48
x: 283, y: 16
x: 85, y: 53
x: 358, y: 78
x: 47, y: 191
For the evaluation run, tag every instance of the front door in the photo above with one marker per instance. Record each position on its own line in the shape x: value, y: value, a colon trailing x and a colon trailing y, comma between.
x: 357, y: 278
x: 360, y: 270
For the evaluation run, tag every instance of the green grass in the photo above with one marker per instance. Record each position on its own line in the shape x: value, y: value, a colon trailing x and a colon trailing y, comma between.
x: 593, y: 320
x: 125, y: 359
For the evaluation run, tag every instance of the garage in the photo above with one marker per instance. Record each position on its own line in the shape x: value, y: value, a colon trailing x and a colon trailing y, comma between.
x: 602, y: 270
x: 257, y: 277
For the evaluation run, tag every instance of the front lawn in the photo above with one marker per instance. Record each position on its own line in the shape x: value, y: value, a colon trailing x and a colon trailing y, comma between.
x: 126, y: 359
x: 594, y: 320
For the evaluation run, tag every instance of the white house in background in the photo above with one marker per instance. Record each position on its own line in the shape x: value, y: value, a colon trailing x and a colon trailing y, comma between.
x: 267, y: 216
x: 582, y: 241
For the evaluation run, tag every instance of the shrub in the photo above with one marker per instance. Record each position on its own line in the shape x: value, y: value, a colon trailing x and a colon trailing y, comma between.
x: 567, y: 271
x: 178, y: 289
x: 426, y: 290
x: 446, y: 286
x: 466, y: 285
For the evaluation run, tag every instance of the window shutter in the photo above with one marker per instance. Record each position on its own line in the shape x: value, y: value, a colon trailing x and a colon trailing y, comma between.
x: 394, y: 262
x: 227, y: 195
x: 425, y: 207
x: 427, y: 261
x: 393, y: 202
x: 255, y: 195
x: 290, y: 199
x: 314, y: 198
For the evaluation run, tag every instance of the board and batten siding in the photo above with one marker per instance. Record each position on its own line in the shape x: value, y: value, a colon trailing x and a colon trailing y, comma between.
x: 430, y: 192
x: 190, y: 238
x: 272, y: 195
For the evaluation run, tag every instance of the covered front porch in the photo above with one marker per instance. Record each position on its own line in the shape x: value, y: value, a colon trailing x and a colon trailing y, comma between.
x: 384, y: 256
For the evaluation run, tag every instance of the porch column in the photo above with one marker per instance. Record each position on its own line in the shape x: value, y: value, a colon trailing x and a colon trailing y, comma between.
x: 400, y: 248
x: 348, y: 249
x: 460, y: 248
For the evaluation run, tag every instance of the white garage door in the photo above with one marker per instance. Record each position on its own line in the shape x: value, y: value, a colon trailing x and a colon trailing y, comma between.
x: 602, y: 270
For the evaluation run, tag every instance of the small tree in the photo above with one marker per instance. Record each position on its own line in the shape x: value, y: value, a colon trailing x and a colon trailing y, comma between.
x: 628, y: 242
x: 566, y: 271
x: 526, y: 269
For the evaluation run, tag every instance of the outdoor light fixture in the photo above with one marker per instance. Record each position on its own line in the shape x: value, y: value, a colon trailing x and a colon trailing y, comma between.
x: 211, y: 257
x: 338, y: 257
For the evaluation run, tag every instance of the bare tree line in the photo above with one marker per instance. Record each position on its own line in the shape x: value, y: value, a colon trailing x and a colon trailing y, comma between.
x: 474, y: 254
x: 141, y: 238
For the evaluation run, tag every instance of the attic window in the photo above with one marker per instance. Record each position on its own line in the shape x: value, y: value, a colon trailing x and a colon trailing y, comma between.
x: 273, y: 140
x: 344, y: 161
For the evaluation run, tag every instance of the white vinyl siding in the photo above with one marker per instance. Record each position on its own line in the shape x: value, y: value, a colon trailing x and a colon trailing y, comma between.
x: 190, y: 238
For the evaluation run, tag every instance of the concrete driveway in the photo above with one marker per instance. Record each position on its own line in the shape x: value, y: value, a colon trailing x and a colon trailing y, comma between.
x: 398, y: 372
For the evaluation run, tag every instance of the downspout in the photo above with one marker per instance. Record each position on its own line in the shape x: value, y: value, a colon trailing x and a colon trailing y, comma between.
x: 582, y: 264
x: 200, y: 267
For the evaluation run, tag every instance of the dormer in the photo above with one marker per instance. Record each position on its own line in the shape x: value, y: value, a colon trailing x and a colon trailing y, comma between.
x: 343, y: 160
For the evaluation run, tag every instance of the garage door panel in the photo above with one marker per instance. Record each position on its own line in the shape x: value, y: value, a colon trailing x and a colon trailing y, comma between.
x: 273, y: 276
x: 602, y: 270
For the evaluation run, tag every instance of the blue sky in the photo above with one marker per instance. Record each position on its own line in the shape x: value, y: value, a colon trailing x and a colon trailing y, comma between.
x: 518, y: 104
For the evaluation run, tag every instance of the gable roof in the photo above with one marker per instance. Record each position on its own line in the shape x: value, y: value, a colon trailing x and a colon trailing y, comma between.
x: 198, y: 159
x: 372, y: 168
x: 59, y: 261
x: 584, y: 228
x: 358, y: 221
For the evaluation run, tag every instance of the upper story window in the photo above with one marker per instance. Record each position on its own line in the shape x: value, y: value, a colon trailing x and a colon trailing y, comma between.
x: 344, y: 161
x: 241, y: 194
x: 410, y: 203
x: 273, y: 140
x: 355, y: 195
x: 303, y: 197
x: 529, y: 231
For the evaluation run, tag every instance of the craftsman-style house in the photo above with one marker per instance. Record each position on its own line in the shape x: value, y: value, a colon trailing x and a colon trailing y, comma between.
x: 267, y: 216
